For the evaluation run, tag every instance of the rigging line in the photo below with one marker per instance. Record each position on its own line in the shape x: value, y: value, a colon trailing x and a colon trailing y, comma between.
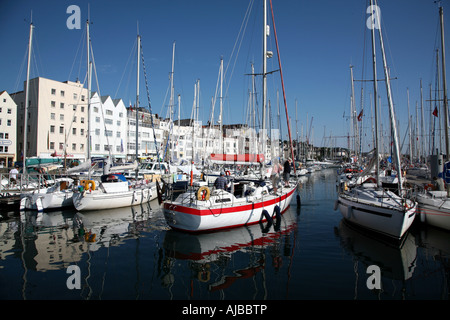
x: 81, y: 43
x: 100, y: 98
x: 149, y: 104
x: 282, y: 83
x: 133, y: 50
x: 246, y: 19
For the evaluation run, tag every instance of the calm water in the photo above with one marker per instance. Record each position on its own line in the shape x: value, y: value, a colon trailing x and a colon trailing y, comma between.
x: 132, y: 254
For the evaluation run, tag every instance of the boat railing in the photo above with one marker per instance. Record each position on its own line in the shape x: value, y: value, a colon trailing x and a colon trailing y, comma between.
x: 25, y: 182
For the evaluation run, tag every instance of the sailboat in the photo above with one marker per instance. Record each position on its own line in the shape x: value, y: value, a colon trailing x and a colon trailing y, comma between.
x: 113, y: 190
x: 368, y: 205
x: 434, y: 205
x: 247, y: 202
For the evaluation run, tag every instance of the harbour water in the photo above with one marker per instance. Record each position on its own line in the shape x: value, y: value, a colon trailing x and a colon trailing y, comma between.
x: 131, y: 254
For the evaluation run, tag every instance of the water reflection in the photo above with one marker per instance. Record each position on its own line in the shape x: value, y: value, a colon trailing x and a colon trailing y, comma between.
x: 215, y: 259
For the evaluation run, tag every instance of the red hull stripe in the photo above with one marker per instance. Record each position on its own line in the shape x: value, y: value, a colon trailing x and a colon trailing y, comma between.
x: 206, y: 212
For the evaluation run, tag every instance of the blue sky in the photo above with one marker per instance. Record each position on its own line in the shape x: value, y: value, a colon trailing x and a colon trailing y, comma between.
x: 318, y: 42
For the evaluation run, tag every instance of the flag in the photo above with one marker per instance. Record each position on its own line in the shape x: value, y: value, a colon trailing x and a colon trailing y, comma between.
x: 360, y: 115
x: 435, y: 112
x: 131, y: 107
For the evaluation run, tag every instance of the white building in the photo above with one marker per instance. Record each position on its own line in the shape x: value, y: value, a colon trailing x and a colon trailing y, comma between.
x: 108, y: 119
x: 8, y: 115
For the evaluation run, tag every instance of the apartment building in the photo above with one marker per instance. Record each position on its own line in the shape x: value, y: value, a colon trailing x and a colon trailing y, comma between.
x: 8, y: 115
x: 57, y: 119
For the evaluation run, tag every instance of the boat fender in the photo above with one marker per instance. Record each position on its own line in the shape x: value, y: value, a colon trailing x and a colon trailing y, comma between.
x: 203, y: 193
x: 277, y: 212
x: 349, y: 212
x: 345, y: 186
x: 266, y: 215
x: 299, y: 201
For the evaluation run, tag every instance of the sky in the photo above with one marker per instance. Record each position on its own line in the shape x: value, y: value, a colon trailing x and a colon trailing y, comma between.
x: 318, y: 41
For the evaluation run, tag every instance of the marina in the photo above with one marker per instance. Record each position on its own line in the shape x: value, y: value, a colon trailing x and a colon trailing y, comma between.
x: 106, y: 201
x: 132, y: 254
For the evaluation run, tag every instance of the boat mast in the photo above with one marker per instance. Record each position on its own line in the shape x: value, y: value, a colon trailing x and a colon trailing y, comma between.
x: 137, y: 101
x: 27, y: 89
x: 444, y: 83
x: 375, y: 96
x: 391, y: 109
x: 264, y: 78
x: 88, y: 96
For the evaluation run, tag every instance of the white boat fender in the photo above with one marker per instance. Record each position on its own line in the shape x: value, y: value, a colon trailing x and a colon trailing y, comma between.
x: 349, y: 212
x: 277, y: 213
x: 266, y: 215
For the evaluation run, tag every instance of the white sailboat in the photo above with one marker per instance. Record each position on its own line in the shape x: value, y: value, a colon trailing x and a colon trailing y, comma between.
x: 247, y: 202
x: 113, y: 190
x: 368, y: 205
x: 434, y: 205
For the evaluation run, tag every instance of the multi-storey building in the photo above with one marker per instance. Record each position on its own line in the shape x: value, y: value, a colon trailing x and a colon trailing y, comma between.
x: 57, y: 119
x: 8, y: 115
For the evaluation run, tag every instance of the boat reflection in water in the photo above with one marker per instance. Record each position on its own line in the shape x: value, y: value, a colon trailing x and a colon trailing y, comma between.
x: 397, y: 261
x: 213, y: 257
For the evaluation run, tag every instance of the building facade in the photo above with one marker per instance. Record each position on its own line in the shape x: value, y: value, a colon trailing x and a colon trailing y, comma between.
x: 8, y: 116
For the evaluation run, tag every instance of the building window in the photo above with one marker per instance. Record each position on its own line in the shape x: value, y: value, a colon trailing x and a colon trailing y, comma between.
x: 62, y: 93
x: 61, y: 146
x: 97, y: 147
x: 52, y: 129
x: 82, y: 120
x: 74, y: 146
x: 74, y: 107
x: 108, y: 133
x: 82, y: 132
x: 61, y: 117
x: 53, y: 104
x: 97, y: 119
x: 81, y: 147
x: 109, y: 113
x: 61, y: 105
x: 53, y: 91
x: 8, y: 123
x: 52, y: 145
x: 75, y: 96
x: 61, y: 129
x: 74, y: 118
x: 97, y: 132
x: 96, y: 109
x: 52, y: 116
x: 9, y: 111
x: 74, y: 131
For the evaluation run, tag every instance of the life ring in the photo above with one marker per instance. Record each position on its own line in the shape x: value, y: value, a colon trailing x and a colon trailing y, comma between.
x: 203, y: 193
x: 227, y: 173
x: 370, y: 180
x: 204, y: 276
x: 429, y: 187
x: 88, y: 184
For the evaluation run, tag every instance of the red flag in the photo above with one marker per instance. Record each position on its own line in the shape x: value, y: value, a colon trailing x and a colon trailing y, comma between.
x: 360, y: 115
x: 435, y: 112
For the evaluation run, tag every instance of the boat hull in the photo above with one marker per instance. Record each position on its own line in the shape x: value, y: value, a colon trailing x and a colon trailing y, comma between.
x: 434, y: 210
x: 98, y: 200
x: 391, y: 221
x: 202, y: 216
